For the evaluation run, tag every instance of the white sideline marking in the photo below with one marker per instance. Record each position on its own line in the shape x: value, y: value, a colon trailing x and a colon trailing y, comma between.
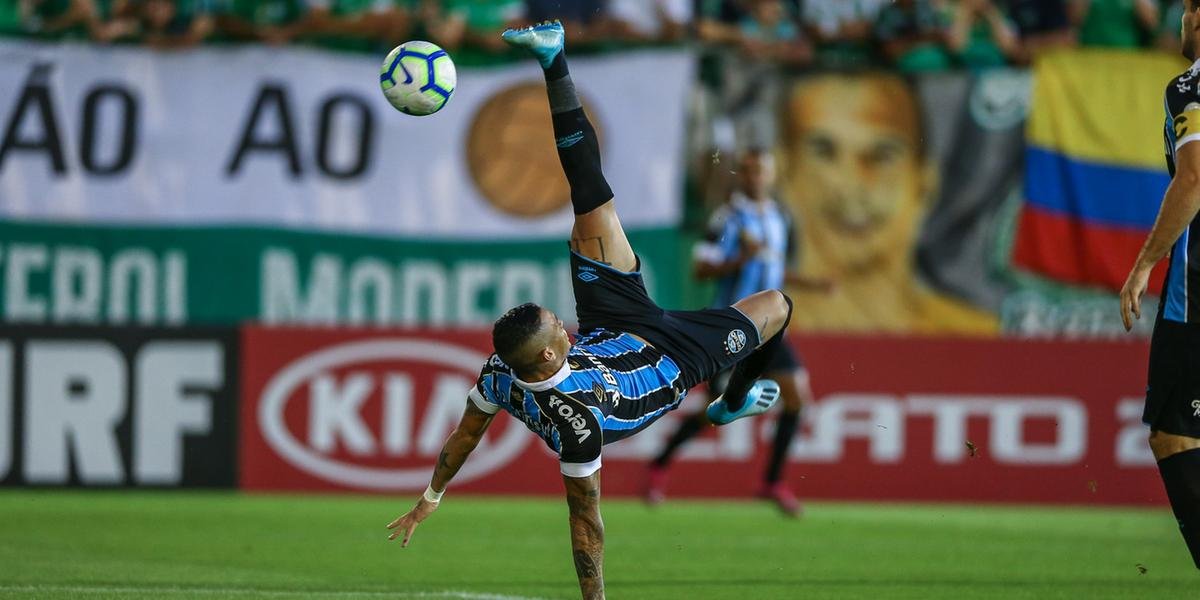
x: 223, y: 591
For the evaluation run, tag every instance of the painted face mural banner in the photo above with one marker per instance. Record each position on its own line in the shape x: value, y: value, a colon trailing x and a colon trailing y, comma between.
x: 908, y: 193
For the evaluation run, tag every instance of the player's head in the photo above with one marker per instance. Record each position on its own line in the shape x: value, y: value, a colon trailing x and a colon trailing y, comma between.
x: 856, y: 171
x: 1188, y: 25
x: 528, y: 337
x: 756, y: 172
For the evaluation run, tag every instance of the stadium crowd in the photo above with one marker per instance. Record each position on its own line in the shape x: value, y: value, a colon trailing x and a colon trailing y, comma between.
x: 911, y: 35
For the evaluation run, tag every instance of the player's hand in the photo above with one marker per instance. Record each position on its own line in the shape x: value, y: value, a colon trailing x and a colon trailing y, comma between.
x: 407, y: 523
x: 750, y: 247
x: 1131, y: 294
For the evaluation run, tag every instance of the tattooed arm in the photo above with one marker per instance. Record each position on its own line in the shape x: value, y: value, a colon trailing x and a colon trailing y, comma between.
x: 454, y: 453
x: 587, y: 533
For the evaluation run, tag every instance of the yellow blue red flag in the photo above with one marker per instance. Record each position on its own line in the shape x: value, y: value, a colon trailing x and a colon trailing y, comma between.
x: 1094, y: 167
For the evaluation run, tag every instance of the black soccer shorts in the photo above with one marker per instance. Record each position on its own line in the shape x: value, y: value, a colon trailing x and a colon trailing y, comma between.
x: 701, y: 342
x: 1173, y: 389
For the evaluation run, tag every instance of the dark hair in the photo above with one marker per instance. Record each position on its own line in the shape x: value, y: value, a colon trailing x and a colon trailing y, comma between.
x: 513, y: 330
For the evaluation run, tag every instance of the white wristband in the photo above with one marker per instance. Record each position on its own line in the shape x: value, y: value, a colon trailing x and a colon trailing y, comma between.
x: 432, y: 496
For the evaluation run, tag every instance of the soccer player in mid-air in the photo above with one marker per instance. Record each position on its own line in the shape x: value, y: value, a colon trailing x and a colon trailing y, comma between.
x: 1172, y: 411
x: 632, y: 361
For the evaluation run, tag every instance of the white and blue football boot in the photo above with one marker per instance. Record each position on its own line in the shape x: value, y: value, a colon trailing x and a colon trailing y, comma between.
x: 544, y: 40
x: 761, y: 397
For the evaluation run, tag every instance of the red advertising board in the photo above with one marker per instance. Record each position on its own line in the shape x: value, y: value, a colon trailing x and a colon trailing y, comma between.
x: 894, y: 419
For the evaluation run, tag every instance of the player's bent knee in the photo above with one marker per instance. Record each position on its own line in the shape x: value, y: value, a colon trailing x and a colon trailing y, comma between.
x: 781, y: 312
x: 768, y: 309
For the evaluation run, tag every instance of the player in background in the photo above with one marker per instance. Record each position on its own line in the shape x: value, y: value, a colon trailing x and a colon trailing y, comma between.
x: 1172, y: 411
x: 632, y: 361
x: 748, y: 249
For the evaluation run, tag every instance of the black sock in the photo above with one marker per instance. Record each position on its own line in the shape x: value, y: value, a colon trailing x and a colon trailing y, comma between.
x: 785, y: 430
x: 1181, y: 476
x: 752, y: 367
x: 687, y: 430
x: 578, y: 147
x: 557, y: 69
x: 579, y: 154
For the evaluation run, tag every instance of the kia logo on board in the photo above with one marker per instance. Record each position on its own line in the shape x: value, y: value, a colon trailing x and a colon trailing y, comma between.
x: 337, y: 383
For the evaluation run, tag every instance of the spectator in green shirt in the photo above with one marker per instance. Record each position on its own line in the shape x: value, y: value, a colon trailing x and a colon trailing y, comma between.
x: 1041, y: 25
x: 348, y: 24
x: 270, y: 21
x: 101, y: 20
x: 12, y: 16
x: 170, y: 24
x: 1169, y: 28
x: 842, y: 31
x: 1114, y: 23
x: 398, y: 20
x: 981, y: 36
x: 475, y: 22
x: 913, y: 34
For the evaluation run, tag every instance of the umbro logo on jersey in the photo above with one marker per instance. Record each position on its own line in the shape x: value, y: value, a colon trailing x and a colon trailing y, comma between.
x: 735, y: 341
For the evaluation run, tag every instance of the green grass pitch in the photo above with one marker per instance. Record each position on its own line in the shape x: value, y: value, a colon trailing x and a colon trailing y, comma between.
x: 67, y: 544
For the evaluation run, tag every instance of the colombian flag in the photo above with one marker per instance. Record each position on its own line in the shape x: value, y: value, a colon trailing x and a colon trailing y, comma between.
x: 1094, y: 167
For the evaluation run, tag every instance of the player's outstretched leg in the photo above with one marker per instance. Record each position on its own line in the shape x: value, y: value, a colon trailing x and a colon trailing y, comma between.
x: 746, y: 394
x: 597, y: 233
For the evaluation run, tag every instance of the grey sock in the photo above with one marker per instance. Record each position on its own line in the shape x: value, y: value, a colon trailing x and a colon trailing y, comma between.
x: 562, y: 95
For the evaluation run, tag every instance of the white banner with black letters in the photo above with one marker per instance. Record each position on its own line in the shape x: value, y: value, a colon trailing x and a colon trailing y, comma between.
x: 303, y: 138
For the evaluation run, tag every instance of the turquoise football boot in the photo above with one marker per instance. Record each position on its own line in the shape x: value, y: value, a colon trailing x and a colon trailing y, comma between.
x: 544, y: 40
x: 761, y: 397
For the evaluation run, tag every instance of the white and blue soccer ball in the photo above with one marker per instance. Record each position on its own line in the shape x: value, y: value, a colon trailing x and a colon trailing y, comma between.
x: 418, y: 78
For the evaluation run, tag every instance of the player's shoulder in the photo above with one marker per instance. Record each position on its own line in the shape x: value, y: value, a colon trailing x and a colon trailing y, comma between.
x: 722, y: 216
x: 493, y: 365
x: 1183, y: 89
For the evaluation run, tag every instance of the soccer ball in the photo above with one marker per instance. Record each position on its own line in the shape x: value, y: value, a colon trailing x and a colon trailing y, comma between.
x: 418, y: 78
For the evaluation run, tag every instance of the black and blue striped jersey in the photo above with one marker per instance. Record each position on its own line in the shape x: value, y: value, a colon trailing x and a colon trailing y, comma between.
x: 769, y: 225
x: 1181, y: 293
x: 611, y: 386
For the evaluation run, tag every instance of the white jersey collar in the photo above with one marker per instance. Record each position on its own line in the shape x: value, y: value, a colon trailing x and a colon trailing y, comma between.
x: 545, y: 384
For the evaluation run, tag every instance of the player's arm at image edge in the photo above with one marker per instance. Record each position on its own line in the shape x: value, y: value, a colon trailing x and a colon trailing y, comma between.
x: 587, y: 533
x: 1180, y: 203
